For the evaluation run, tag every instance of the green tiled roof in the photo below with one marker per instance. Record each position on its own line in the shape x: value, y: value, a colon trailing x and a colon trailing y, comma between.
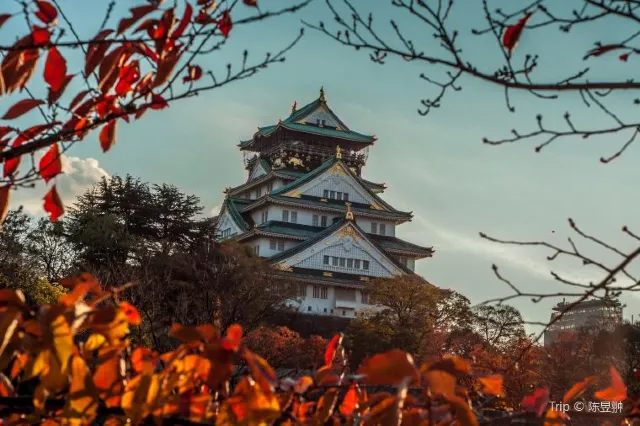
x: 334, y: 207
x: 290, y: 123
x: 233, y: 206
x: 397, y: 244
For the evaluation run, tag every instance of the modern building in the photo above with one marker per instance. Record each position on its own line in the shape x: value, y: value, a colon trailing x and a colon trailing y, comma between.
x: 589, y: 315
x: 307, y: 209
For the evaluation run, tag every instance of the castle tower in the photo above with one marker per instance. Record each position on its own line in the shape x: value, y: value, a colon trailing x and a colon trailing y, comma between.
x: 306, y: 208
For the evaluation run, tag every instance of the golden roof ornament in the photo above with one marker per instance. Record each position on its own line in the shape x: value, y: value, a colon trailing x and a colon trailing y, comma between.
x: 338, y: 152
x: 322, y: 98
x: 294, y: 107
x: 349, y: 215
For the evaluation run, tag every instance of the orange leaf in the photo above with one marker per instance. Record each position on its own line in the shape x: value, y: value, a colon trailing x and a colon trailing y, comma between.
x: 537, y: 402
x: 50, y: 164
x: 53, y: 204
x: 225, y: 25
x: 440, y: 383
x: 21, y: 107
x: 5, y: 198
x: 452, y: 364
x: 46, y: 12
x: 82, y: 399
x: 464, y: 413
x: 195, y: 72
x: 136, y: 14
x: 554, y: 418
x: 333, y: 345
x: 350, y: 401
x: 492, y: 385
x: 261, y: 371
x: 513, y: 32
x: 231, y: 341
x: 577, y: 389
x: 130, y: 311
x: 139, y: 357
x: 108, y: 135
x: 617, y: 391
x: 388, y: 368
x: 55, y: 69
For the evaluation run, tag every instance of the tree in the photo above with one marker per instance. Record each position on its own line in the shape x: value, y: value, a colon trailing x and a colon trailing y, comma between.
x: 145, y: 62
x: 499, y: 325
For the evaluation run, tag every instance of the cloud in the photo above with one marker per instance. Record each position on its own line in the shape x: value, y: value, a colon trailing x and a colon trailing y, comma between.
x: 79, y: 175
x: 503, y: 254
x: 215, y: 210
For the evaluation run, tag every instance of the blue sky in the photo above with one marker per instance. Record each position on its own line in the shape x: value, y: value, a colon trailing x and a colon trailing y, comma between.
x: 435, y: 166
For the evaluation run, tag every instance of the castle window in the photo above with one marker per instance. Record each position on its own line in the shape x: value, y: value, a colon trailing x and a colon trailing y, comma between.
x: 302, y: 290
x: 315, y: 220
x: 356, y: 263
x: 345, y: 196
x: 339, y: 195
x: 365, y: 265
x: 325, y: 193
x: 374, y: 228
x: 308, y: 308
x: 332, y: 194
x: 294, y: 217
x: 316, y: 291
x: 344, y: 313
x: 324, y: 123
x: 364, y: 297
x: 269, y: 187
x: 265, y: 216
x: 280, y: 245
x: 342, y: 262
x: 324, y: 293
x: 325, y: 310
x: 334, y: 261
x: 256, y: 250
x: 272, y: 244
x: 349, y: 263
x: 285, y: 215
x: 258, y: 192
x: 383, y: 229
x: 323, y: 221
x: 326, y: 260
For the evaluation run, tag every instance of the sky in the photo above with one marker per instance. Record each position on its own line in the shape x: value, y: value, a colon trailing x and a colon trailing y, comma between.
x: 435, y: 166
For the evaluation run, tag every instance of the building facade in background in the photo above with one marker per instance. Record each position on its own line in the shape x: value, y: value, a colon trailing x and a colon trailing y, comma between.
x: 590, y: 316
x: 307, y: 209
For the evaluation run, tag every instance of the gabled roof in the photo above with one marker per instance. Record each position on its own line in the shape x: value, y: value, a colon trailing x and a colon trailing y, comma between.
x: 233, y: 206
x: 293, y: 123
x: 327, y: 232
x: 323, y: 168
x: 337, y: 206
x: 299, y: 232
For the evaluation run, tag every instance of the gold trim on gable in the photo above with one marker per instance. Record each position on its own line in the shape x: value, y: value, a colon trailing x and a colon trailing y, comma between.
x: 348, y: 231
x: 283, y: 267
x: 293, y: 194
x: 337, y: 170
x: 377, y: 206
x: 327, y: 274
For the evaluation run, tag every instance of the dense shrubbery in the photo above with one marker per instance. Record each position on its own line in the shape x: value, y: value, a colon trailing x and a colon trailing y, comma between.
x: 76, y: 364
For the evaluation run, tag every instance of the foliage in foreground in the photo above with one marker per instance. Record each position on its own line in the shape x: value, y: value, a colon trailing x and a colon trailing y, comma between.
x: 77, y: 365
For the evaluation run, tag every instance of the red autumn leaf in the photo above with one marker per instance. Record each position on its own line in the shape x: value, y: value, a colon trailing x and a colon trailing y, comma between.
x: 128, y: 74
x: 108, y: 135
x: 55, y: 95
x: 184, y: 22
x: 4, y: 17
x: 5, y: 197
x: 96, y: 51
x: 513, y: 32
x: 47, y: 13
x: 77, y: 99
x: 225, y: 25
x: 55, y: 69
x: 53, y: 204
x: 195, y: 72
x: 158, y: 102
x: 50, y: 163
x: 350, y: 401
x: 602, y: 49
x: 252, y: 3
x: 537, y: 402
x: 231, y: 341
x: 40, y: 35
x: 617, y: 391
x: 138, y: 357
x: 136, y: 14
x: 492, y: 385
x: 203, y: 18
x: 21, y: 107
x: 330, y: 352
x: 577, y: 389
x: 5, y: 130
x: 109, y: 68
x: 146, y: 51
x: 132, y: 314
x: 165, y: 68
x: 624, y: 57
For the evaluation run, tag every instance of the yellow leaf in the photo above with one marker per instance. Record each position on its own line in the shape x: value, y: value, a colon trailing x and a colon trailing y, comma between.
x: 60, y: 336
x: 94, y: 342
x: 82, y: 399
